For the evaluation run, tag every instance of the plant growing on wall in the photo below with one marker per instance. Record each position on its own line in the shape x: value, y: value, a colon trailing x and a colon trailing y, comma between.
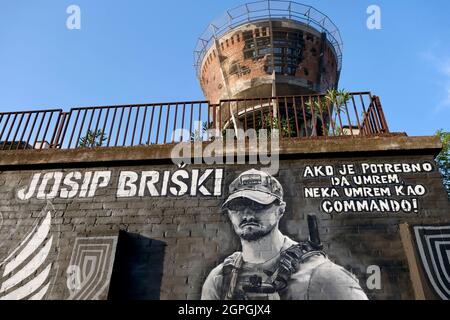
x: 286, y: 129
x: 338, y: 100
x: 319, y: 105
x: 443, y: 159
x: 92, y: 139
x: 333, y: 101
x: 320, y: 108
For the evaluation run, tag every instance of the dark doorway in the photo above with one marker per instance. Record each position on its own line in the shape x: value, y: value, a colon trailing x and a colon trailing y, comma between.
x: 138, y: 268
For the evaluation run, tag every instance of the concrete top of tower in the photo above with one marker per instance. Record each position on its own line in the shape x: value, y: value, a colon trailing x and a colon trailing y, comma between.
x: 268, y: 10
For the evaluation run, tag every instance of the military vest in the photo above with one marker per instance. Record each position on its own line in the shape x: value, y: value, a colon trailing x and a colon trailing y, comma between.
x: 246, y: 281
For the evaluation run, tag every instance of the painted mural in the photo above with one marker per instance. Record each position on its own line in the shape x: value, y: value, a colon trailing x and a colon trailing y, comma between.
x: 89, y: 273
x: 272, y: 266
x: 26, y: 271
x: 313, y: 231
x: 433, y: 244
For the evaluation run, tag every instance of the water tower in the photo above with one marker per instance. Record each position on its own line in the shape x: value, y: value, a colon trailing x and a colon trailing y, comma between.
x: 268, y: 48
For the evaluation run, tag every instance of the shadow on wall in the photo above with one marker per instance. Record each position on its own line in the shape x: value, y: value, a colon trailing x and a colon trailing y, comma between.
x: 138, y: 269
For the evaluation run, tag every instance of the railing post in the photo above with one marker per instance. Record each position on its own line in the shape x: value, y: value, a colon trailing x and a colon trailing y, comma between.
x: 368, y: 126
x: 381, y: 115
x: 60, y: 125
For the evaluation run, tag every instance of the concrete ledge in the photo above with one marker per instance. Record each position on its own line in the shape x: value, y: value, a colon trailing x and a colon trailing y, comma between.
x: 319, y: 147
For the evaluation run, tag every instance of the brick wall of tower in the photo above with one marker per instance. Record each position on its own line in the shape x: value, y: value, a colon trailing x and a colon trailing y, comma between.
x: 227, y: 60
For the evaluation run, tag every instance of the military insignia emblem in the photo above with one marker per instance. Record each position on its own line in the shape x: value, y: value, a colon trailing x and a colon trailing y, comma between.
x: 433, y: 243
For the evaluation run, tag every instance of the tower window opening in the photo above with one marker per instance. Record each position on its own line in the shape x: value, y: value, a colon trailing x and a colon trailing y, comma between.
x: 278, y: 59
x: 247, y: 35
x: 250, y: 54
x: 278, y: 50
x: 283, y: 51
x: 261, y: 42
x: 287, y: 52
x: 264, y: 51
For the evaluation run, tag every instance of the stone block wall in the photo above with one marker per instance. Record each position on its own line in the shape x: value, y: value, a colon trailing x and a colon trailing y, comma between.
x: 155, y: 231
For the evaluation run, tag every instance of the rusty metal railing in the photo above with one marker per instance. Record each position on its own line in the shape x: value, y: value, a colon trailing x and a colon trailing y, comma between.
x: 29, y: 129
x: 360, y: 114
x: 300, y: 117
x: 133, y: 125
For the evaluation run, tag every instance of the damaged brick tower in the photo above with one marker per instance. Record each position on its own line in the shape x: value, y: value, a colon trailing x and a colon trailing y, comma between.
x: 267, y: 49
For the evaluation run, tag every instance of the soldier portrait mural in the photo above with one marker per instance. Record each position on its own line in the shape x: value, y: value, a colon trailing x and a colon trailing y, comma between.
x: 272, y: 266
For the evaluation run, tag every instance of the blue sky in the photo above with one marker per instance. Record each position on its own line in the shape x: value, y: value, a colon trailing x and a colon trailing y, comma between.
x: 137, y: 51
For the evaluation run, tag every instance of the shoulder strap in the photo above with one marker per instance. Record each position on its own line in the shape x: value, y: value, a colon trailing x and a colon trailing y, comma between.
x: 290, y: 261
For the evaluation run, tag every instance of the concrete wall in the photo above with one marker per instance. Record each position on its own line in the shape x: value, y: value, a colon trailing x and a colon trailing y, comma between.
x: 110, y: 233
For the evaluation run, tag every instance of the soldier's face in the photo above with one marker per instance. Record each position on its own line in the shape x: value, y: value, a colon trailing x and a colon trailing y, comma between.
x: 253, y: 221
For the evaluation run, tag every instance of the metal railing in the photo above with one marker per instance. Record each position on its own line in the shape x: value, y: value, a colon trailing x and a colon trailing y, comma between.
x: 299, y: 117
x: 360, y: 114
x: 29, y: 129
x: 133, y: 125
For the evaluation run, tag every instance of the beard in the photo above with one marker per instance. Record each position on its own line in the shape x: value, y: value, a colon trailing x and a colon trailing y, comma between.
x: 253, y: 234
